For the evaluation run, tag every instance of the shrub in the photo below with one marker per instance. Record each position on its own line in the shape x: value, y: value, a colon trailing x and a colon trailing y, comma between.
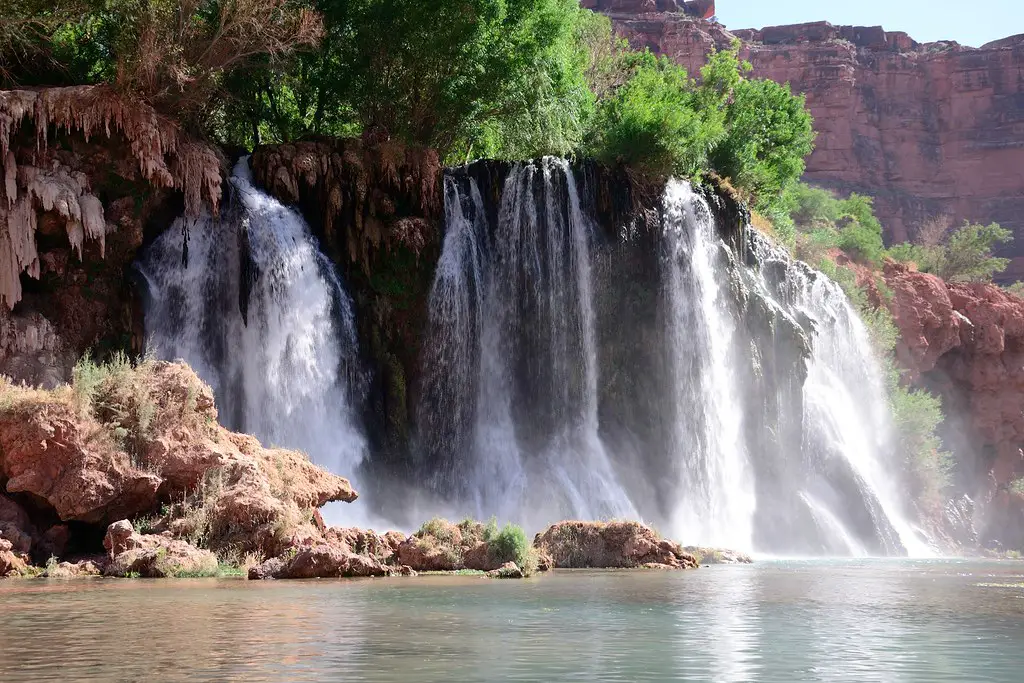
x: 511, y: 545
x: 963, y: 256
x: 118, y: 394
x: 652, y: 122
x: 768, y: 135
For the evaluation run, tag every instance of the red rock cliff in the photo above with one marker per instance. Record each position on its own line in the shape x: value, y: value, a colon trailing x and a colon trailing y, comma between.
x: 966, y: 343
x: 929, y: 130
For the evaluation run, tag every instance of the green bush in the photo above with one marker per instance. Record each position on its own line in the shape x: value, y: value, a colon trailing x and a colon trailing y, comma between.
x: 511, y: 545
x: 652, y: 121
x: 768, y: 134
x: 963, y: 256
x: 821, y: 222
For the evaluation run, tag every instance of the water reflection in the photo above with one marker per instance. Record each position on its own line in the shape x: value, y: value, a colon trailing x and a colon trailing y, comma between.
x: 850, y: 621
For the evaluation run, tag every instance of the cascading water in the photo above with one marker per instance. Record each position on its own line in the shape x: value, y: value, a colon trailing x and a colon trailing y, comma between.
x: 715, y: 486
x: 259, y: 313
x: 850, y: 460
x: 773, y: 429
x: 741, y: 405
x: 513, y: 347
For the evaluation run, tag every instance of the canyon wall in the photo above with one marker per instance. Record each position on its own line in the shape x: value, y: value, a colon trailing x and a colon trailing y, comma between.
x: 929, y: 130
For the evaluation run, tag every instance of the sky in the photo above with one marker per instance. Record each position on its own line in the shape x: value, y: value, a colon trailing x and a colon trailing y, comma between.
x: 969, y: 22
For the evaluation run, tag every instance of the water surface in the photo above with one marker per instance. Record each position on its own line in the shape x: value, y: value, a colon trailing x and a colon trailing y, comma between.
x: 775, y: 621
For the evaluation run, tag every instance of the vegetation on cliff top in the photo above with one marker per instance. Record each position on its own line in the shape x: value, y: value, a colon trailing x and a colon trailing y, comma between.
x: 506, y: 79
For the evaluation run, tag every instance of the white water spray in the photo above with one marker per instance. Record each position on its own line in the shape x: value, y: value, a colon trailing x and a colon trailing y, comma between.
x: 715, y: 484
x: 286, y: 374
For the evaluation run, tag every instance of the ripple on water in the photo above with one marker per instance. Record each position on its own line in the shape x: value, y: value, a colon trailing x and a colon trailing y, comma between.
x: 776, y: 621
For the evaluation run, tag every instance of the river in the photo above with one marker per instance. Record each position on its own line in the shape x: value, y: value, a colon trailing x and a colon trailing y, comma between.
x: 878, y: 620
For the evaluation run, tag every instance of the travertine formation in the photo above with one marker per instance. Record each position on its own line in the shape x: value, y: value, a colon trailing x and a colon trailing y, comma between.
x: 927, y: 129
x: 36, y: 183
x: 145, y: 443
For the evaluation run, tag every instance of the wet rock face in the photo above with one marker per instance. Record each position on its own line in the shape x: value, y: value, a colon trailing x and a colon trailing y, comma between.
x: 928, y: 130
x: 80, y: 297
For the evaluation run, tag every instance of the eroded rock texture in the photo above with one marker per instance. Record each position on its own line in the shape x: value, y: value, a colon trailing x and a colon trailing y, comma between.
x: 928, y: 130
x: 148, y: 445
x: 84, y: 174
x: 966, y: 343
x: 602, y: 545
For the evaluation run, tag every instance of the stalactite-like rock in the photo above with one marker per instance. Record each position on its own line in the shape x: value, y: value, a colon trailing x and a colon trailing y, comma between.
x: 166, y: 158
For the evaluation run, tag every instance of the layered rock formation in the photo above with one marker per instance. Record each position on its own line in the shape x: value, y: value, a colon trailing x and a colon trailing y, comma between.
x: 928, y: 130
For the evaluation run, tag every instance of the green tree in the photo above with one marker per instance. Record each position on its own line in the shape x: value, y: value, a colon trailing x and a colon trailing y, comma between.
x: 769, y: 132
x: 652, y: 122
x: 482, y: 77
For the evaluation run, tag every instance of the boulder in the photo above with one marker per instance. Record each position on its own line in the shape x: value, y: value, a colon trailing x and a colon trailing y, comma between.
x: 509, y: 570
x: 15, y: 525
x: 77, y: 569
x: 324, y: 560
x: 604, y: 545
x: 153, y: 556
x: 718, y: 555
x: 11, y: 562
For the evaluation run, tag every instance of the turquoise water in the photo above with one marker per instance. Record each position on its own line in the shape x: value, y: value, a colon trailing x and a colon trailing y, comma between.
x: 773, y: 621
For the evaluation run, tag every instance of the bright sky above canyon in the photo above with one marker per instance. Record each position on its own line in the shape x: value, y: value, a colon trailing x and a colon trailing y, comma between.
x: 969, y: 22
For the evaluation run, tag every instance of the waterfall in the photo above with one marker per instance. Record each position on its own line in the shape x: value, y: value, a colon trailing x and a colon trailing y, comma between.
x: 510, y: 374
x: 258, y: 311
x: 850, y: 464
x: 763, y: 420
x: 728, y: 395
x: 715, y: 487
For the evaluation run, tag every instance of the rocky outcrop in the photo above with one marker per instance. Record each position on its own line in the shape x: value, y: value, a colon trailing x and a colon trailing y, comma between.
x: 708, y: 556
x: 966, y: 341
x: 440, y: 545
x: 928, y: 130
x: 12, y: 563
x: 603, y: 545
x: 322, y: 561
x: 154, y: 557
x: 126, y: 442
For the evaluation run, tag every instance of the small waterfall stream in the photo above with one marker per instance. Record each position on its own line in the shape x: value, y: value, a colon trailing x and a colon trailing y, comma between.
x: 715, y: 486
x: 850, y: 457
x: 260, y: 314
